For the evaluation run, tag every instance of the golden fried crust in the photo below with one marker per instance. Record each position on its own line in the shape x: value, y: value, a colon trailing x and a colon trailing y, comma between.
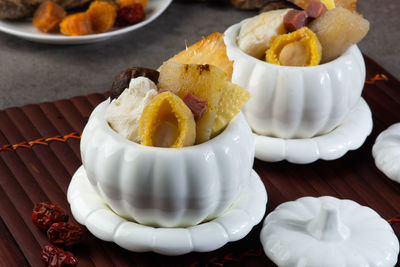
x: 209, y: 50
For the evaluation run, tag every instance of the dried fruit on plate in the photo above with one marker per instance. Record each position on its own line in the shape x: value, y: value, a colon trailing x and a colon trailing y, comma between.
x: 337, y: 30
x: 204, y: 81
x: 128, y: 15
x: 209, y: 50
x: 76, y: 24
x: 65, y: 234
x: 47, y: 16
x: 102, y: 16
x: 53, y: 256
x: 166, y: 121
x: 277, y: 4
x: 131, y: 2
x: 298, y: 48
x: 44, y: 214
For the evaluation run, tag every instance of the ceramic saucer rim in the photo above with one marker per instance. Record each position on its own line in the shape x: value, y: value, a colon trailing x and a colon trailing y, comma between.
x: 350, y: 135
x: 90, y: 210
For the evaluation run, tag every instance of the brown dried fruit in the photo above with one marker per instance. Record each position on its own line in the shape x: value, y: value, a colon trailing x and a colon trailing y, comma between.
x: 121, y: 82
x: 130, y: 2
x: 279, y: 4
x: 76, y: 24
x: 44, y: 214
x: 65, y: 234
x: 249, y: 4
x: 128, y: 15
x: 102, y: 15
x: 53, y: 256
x: 47, y: 16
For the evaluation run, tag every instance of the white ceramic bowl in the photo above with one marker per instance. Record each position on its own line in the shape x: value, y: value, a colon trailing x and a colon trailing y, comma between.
x: 296, y: 102
x: 167, y: 187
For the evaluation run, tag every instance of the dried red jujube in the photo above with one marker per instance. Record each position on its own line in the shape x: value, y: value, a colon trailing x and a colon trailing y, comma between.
x: 128, y: 15
x: 44, y: 214
x: 65, y: 234
x: 53, y: 256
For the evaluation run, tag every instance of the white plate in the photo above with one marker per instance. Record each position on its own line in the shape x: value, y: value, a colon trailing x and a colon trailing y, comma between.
x: 25, y: 29
x: 90, y: 210
x: 350, y: 135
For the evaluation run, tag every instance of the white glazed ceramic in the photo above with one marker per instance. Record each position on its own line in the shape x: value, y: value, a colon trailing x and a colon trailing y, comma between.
x: 24, y: 28
x: 165, y: 186
x: 386, y: 152
x: 296, y: 102
x: 329, y: 232
x: 90, y: 210
x: 349, y: 135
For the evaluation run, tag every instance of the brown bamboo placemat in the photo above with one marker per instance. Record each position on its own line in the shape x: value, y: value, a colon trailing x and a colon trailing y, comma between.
x: 39, y: 152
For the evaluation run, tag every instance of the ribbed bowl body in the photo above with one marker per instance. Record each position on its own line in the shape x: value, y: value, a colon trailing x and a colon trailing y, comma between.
x: 296, y: 102
x: 167, y: 187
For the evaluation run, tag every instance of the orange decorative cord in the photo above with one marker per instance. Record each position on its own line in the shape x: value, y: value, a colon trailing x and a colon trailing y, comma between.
x: 377, y: 77
x: 40, y: 141
x: 394, y: 220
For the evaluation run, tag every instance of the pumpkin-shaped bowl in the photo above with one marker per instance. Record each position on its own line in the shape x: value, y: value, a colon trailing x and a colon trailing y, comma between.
x: 296, y: 102
x: 167, y: 187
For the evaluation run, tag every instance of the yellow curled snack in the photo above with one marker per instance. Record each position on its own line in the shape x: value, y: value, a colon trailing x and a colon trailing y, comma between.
x: 166, y: 121
x: 298, y: 48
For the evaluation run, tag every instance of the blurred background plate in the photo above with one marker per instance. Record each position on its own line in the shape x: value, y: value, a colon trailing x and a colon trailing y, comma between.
x: 25, y: 29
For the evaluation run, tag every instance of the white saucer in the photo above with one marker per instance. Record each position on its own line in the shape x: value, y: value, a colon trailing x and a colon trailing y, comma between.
x: 348, y: 136
x: 90, y: 210
x: 386, y: 152
x: 24, y: 28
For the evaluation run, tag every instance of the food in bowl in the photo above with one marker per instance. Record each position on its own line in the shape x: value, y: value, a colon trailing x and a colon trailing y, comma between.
x: 290, y: 37
x: 296, y: 101
x: 199, y: 98
x: 172, y: 186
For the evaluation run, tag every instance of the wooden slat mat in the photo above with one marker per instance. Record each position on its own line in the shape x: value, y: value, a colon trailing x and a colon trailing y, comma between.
x: 41, y: 171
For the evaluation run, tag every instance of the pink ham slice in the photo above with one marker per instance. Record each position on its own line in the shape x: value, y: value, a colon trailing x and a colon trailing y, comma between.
x: 295, y: 20
x: 197, y: 105
x: 315, y: 9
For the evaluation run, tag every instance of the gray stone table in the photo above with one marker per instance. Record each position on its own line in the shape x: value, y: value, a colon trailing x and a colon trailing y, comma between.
x: 33, y: 72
